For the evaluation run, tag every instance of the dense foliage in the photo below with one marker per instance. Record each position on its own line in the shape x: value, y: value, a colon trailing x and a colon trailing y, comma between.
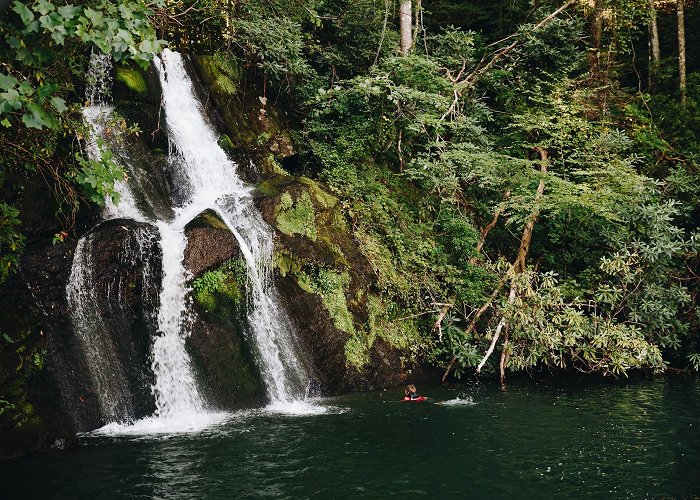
x: 532, y: 186
x: 44, y: 53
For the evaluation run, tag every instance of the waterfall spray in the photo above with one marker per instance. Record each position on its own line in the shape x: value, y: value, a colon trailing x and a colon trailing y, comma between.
x: 211, y: 181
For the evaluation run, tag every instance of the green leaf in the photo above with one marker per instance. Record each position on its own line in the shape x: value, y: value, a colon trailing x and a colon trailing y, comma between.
x: 59, y: 104
x: 38, y: 118
x: 43, y: 7
x: 47, y: 89
x: 7, y: 82
x: 23, y: 11
x: 58, y: 37
x: 125, y: 12
x: 10, y: 101
x: 94, y: 16
x: 52, y: 22
x: 26, y: 88
x: 69, y: 12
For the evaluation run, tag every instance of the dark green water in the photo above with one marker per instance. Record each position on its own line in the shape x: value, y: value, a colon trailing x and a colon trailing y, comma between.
x: 579, y: 438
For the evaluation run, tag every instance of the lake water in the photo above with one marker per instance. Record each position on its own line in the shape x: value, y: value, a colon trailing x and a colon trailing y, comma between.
x: 573, y: 438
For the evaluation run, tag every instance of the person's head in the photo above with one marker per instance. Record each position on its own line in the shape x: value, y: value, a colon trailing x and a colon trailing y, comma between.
x: 411, y: 388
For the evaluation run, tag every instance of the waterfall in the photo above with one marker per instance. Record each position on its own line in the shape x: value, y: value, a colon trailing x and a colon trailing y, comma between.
x: 105, y: 371
x: 175, y: 388
x: 97, y: 115
x: 203, y: 178
x: 209, y: 180
x: 178, y: 403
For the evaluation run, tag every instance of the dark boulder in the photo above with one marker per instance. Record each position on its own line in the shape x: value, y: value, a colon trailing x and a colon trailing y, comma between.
x: 209, y: 243
x: 219, y: 329
x: 46, y: 369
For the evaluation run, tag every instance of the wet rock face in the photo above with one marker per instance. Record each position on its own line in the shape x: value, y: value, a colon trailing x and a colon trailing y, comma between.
x: 208, y: 247
x: 323, y: 343
x: 127, y: 275
x: 228, y: 374
x: 49, y: 385
x: 230, y: 378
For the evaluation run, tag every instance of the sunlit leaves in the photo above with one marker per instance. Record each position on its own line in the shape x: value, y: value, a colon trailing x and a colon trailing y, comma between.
x: 121, y: 29
x: 97, y: 177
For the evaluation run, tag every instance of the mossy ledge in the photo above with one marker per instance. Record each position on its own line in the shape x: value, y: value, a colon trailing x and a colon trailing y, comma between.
x: 330, y: 288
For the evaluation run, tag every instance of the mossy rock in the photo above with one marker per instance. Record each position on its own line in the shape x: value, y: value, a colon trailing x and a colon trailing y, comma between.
x: 208, y: 218
x: 255, y: 127
x: 221, y: 289
x: 297, y: 216
x: 133, y: 78
x: 218, y: 344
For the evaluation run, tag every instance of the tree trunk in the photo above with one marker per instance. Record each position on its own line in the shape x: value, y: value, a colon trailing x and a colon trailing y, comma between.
x: 681, y: 50
x: 504, y: 358
x: 654, y: 48
x: 501, y: 324
x: 597, y: 29
x: 406, y: 24
x: 485, y: 232
x: 519, y: 264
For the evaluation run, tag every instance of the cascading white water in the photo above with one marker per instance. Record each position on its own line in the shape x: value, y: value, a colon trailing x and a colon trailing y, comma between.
x: 97, y: 114
x: 212, y: 182
x: 178, y: 404
x: 105, y: 372
x: 204, y: 178
x: 175, y: 388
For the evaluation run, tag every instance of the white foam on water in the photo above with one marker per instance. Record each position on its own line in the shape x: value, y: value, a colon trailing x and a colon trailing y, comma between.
x: 458, y: 402
x: 158, y: 425
x: 297, y: 408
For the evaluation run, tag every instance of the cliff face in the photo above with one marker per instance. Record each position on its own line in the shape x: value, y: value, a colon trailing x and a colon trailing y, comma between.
x: 49, y: 389
x: 327, y: 284
x: 48, y: 375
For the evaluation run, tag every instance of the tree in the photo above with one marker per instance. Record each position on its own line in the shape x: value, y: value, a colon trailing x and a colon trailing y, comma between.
x: 405, y: 24
x: 681, y: 49
x: 654, y: 48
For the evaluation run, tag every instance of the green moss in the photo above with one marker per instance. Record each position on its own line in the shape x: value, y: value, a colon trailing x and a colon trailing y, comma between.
x: 226, y: 143
x: 331, y: 287
x: 133, y: 78
x: 286, y: 262
x: 297, y: 217
x: 323, y: 198
x: 402, y: 334
x: 271, y: 166
x: 268, y: 187
x: 208, y: 218
x: 221, y: 288
x: 357, y: 351
x: 221, y: 72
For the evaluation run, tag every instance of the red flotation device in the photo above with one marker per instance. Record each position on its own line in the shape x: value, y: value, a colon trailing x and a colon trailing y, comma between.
x: 419, y: 398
